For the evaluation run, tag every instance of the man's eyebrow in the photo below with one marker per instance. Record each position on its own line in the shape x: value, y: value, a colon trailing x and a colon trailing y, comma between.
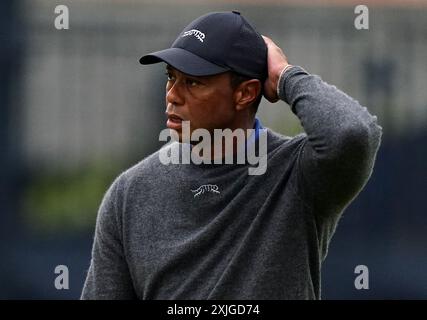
x: 171, y: 69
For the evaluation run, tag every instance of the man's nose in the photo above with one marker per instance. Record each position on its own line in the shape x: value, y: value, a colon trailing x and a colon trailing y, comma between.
x: 174, y: 94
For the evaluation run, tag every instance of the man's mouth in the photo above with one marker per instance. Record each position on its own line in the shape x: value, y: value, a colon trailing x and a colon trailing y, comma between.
x: 174, y: 122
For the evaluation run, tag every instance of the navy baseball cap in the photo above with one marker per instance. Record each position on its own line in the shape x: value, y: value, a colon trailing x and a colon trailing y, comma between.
x: 215, y: 43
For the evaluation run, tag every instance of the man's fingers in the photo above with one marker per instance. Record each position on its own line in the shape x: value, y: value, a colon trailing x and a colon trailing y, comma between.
x: 276, y: 61
x: 265, y: 38
x: 268, y: 42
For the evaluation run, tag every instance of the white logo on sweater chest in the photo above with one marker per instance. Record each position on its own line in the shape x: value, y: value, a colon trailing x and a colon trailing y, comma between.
x: 205, y: 188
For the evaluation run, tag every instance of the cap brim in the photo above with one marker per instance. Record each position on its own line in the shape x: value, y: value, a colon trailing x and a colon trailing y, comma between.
x: 184, y: 61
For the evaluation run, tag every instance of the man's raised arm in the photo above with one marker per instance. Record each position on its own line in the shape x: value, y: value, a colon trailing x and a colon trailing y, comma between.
x: 343, y: 138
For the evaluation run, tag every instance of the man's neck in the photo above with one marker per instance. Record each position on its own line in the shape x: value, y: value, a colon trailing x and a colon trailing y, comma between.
x: 221, y: 148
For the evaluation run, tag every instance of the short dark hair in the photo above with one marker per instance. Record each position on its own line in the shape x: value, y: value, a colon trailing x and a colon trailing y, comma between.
x: 236, y: 79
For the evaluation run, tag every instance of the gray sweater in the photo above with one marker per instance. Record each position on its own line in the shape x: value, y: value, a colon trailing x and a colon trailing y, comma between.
x: 247, y: 236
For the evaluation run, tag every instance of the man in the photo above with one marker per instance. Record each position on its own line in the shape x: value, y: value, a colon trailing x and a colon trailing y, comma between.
x: 213, y: 231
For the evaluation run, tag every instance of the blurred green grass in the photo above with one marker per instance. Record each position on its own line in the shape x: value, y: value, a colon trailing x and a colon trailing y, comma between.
x: 67, y: 200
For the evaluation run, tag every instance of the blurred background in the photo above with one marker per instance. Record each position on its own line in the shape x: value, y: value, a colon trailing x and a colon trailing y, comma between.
x: 77, y: 109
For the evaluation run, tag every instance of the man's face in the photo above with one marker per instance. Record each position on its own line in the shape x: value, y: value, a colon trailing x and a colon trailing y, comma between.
x: 207, y: 102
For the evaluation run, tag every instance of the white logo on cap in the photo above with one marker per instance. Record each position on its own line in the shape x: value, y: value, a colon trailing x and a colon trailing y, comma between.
x: 194, y: 32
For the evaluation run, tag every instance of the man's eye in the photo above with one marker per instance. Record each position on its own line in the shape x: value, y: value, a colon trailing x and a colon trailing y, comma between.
x: 192, y: 82
x: 170, y: 76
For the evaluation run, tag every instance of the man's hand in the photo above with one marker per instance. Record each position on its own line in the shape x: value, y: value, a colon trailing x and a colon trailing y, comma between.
x: 277, y: 61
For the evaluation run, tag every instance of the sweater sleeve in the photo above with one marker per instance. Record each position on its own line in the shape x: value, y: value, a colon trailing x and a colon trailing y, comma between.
x: 108, y: 276
x: 338, y: 154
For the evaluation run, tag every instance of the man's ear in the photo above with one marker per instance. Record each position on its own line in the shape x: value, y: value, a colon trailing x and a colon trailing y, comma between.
x: 246, y: 93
